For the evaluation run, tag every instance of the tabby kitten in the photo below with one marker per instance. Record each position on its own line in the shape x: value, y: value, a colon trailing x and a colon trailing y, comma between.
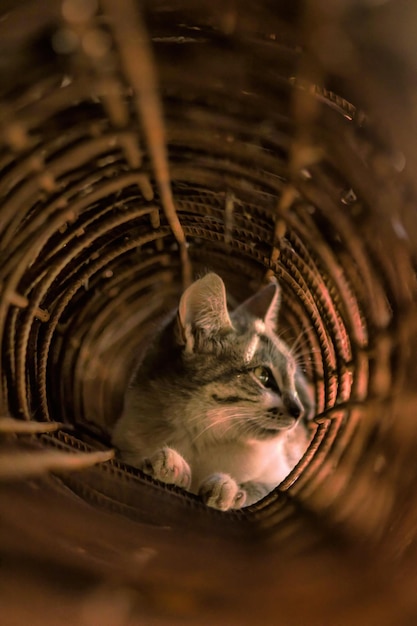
x: 216, y: 405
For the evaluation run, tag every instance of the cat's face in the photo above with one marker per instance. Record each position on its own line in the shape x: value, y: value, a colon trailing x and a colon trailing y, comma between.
x: 245, y: 377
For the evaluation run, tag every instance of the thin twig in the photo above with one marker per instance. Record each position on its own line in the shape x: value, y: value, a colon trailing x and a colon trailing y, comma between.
x: 21, y: 465
x: 139, y: 66
x: 12, y: 425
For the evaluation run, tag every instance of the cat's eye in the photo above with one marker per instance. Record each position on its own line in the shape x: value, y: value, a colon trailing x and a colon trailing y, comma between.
x: 264, y: 375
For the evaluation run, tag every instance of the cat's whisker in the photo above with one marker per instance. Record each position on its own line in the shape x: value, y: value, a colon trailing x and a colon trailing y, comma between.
x: 229, y: 418
x: 284, y: 333
x: 249, y: 410
x: 300, y: 348
x: 300, y: 353
x: 301, y: 359
x: 205, y: 430
x: 301, y: 334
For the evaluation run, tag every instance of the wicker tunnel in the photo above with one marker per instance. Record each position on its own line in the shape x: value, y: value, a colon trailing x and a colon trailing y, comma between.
x: 143, y: 143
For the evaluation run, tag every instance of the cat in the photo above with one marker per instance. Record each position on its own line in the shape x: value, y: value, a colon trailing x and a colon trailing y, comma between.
x: 218, y: 404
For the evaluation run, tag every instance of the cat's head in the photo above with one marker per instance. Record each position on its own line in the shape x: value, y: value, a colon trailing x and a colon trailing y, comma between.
x: 245, y: 377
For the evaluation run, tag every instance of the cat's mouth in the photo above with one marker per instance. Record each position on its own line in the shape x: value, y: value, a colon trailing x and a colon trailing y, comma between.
x: 274, y: 423
x: 282, y: 423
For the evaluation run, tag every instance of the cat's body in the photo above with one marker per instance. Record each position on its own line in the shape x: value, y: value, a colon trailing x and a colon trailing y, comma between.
x: 216, y: 404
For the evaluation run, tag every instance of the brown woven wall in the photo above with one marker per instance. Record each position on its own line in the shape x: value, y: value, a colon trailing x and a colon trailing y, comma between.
x: 141, y: 144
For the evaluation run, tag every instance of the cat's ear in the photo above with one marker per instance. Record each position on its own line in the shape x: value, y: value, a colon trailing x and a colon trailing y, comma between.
x: 264, y: 304
x: 203, y: 308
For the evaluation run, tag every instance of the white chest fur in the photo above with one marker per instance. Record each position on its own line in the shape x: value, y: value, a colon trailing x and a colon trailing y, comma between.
x: 255, y: 461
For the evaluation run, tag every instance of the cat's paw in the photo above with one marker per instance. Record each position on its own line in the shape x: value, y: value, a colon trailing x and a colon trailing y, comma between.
x: 169, y: 467
x: 220, y: 491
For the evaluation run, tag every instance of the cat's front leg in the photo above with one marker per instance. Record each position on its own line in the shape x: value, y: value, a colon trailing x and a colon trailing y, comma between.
x: 221, y: 491
x: 168, y: 466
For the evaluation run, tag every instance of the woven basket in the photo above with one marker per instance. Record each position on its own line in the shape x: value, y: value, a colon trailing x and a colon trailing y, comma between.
x: 143, y: 143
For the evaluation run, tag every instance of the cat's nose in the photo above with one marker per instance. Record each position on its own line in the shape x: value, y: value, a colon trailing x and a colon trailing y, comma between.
x: 294, y: 407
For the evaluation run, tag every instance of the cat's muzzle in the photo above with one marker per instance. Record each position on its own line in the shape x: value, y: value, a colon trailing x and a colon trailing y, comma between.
x: 294, y: 408
x: 288, y: 415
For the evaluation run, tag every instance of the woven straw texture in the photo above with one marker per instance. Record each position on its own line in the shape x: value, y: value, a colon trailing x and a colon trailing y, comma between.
x: 141, y: 144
